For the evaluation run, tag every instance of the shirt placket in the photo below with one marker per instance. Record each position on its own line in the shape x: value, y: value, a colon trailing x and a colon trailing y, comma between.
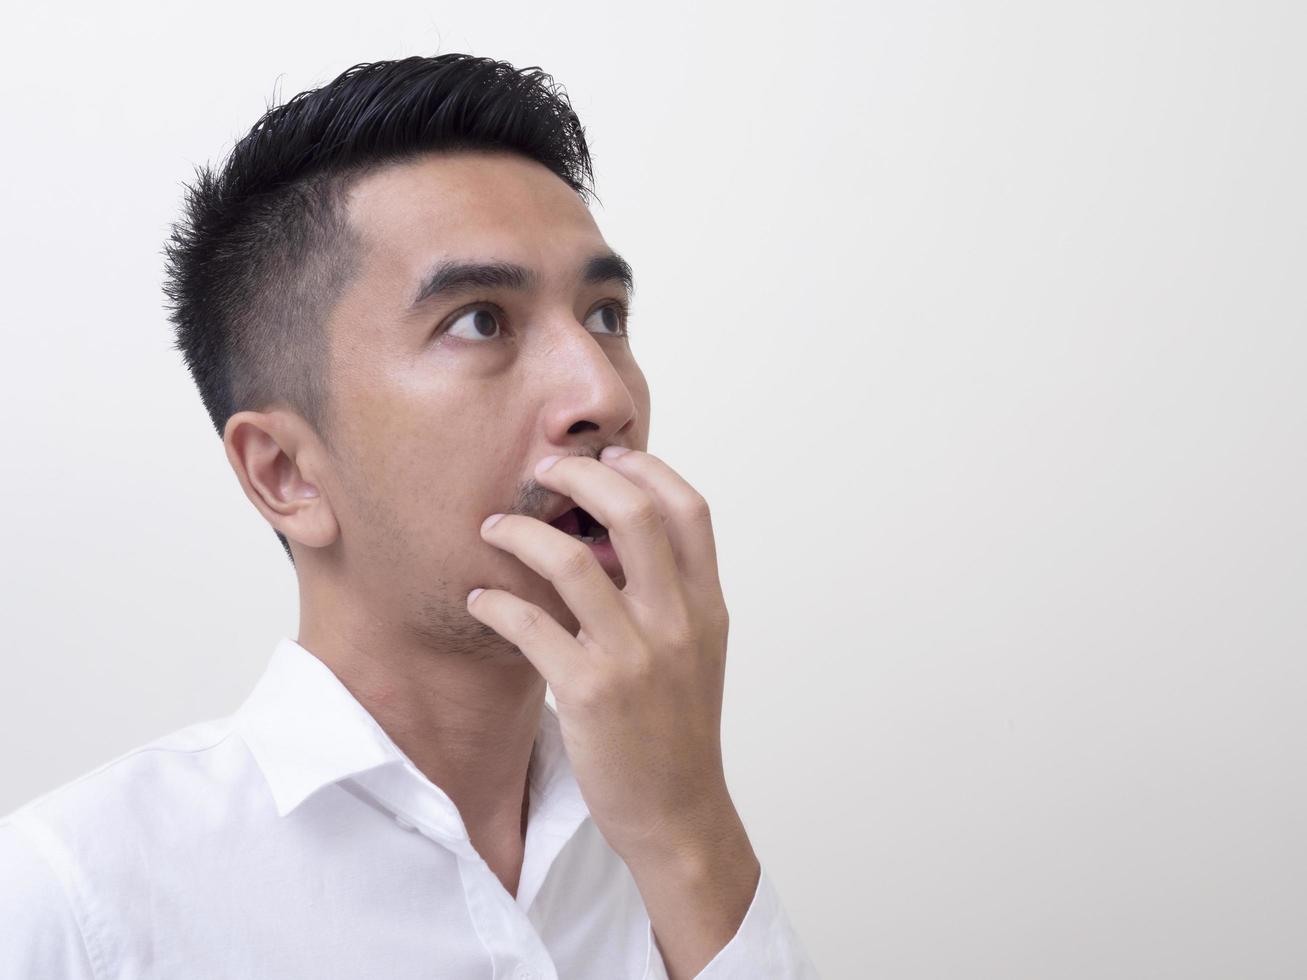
x: 510, y: 939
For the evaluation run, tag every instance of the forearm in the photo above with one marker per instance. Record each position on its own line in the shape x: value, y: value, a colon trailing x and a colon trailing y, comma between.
x: 697, y: 893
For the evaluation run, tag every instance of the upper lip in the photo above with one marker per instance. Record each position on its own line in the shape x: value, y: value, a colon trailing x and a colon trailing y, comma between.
x: 553, y: 515
x: 562, y: 508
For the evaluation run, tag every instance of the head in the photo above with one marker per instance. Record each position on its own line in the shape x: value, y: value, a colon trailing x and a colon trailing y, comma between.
x: 394, y: 300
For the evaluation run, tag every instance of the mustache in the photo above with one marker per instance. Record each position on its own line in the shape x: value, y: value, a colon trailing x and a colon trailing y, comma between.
x: 535, y: 499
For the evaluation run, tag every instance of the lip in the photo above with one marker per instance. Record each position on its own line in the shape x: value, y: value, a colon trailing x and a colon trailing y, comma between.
x: 567, y: 504
x: 602, y: 550
x: 607, y: 555
x: 563, y: 508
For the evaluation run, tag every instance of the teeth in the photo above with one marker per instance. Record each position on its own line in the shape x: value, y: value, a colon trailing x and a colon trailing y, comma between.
x: 589, y: 538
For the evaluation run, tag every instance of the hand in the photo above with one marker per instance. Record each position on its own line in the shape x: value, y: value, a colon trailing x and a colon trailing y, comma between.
x: 639, y: 688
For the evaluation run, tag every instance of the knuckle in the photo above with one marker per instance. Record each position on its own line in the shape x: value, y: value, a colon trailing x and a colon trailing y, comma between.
x: 590, y: 691
x: 528, y: 618
x: 710, y: 602
x: 718, y: 615
x: 643, y: 516
x: 576, y: 562
x: 696, y: 509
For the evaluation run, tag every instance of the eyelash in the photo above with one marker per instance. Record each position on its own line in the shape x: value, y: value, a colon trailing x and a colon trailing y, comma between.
x: 623, y: 310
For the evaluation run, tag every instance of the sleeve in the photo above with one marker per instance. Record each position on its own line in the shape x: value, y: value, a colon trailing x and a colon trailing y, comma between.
x: 41, y: 935
x: 765, y: 947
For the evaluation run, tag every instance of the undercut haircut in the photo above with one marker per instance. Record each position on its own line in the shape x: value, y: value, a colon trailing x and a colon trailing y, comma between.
x: 264, y: 249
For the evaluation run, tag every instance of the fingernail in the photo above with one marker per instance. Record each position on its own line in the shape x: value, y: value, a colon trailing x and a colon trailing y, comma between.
x: 473, y: 594
x: 612, y: 452
x: 490, y: 522
x: 547, y: 462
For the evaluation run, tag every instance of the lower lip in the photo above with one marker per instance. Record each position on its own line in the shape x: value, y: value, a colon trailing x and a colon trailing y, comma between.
x: 607, y: 555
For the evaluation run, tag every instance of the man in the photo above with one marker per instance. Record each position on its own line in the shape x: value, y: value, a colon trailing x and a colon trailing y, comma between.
x: 399, y: 311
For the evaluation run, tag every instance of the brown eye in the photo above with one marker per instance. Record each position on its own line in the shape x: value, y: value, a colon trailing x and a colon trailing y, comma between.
x: 482, y: 323
x: 612, y: 317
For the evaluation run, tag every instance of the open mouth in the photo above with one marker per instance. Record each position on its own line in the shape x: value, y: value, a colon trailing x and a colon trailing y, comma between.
x: 581, y: 525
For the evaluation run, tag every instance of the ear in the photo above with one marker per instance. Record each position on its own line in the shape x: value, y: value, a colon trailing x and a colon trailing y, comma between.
x: 274, y: 455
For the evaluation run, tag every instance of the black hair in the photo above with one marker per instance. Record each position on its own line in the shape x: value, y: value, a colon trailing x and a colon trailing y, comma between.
x: 264, y: 248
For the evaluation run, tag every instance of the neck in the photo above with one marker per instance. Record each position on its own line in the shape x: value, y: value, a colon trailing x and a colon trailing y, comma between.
x: 467, y: 721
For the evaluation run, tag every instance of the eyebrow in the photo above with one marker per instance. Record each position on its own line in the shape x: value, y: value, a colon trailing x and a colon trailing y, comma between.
x: 456, y: 276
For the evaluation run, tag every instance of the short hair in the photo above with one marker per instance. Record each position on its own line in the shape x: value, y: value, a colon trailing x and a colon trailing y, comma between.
x: 264, y: 249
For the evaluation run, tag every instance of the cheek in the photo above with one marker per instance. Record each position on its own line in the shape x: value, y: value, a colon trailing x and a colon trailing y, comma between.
x: 400, y: 444
x: 397, y: 489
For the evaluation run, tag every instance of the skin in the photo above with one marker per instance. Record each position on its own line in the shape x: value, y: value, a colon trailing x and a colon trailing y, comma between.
x: 437, y: 427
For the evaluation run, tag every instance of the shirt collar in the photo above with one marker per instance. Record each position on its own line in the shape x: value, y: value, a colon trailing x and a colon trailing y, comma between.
x: 306, y: 731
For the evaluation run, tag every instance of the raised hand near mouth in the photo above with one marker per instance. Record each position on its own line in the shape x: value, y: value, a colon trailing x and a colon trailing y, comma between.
x: 639, y: 688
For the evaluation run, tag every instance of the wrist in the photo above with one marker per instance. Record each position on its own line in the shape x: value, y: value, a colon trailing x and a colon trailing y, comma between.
x: 696, y: 846
x: 697, y: 889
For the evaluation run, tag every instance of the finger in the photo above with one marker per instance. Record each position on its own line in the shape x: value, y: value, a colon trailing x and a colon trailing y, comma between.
x: 633, y: 519
x: 541, y: 639
x: 574, y: 572
x: 687, y: 521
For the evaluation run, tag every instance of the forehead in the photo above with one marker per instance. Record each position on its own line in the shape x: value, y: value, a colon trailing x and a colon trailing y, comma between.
x: 469, y: 204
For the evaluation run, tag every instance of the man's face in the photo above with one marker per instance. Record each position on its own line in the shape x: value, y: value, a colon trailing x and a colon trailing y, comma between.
x: 443, y: 408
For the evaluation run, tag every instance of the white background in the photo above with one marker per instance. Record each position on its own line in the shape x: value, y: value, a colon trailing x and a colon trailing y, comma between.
x: 980, y: 326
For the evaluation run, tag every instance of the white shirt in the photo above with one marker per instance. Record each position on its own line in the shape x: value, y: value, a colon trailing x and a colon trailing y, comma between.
x: 293, y: 840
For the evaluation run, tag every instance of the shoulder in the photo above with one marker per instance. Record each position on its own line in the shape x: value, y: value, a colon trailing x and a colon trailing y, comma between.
x: 79, y: 861
x: 43, y: 929
x: 127, y: 796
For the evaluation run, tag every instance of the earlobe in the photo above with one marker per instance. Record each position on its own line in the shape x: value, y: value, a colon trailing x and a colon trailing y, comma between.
x: 265, y: 453
x: 310, y: 521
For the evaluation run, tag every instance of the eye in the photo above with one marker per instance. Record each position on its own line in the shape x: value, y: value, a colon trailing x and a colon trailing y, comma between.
x: 482, y: 321
x: 613, y: 316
